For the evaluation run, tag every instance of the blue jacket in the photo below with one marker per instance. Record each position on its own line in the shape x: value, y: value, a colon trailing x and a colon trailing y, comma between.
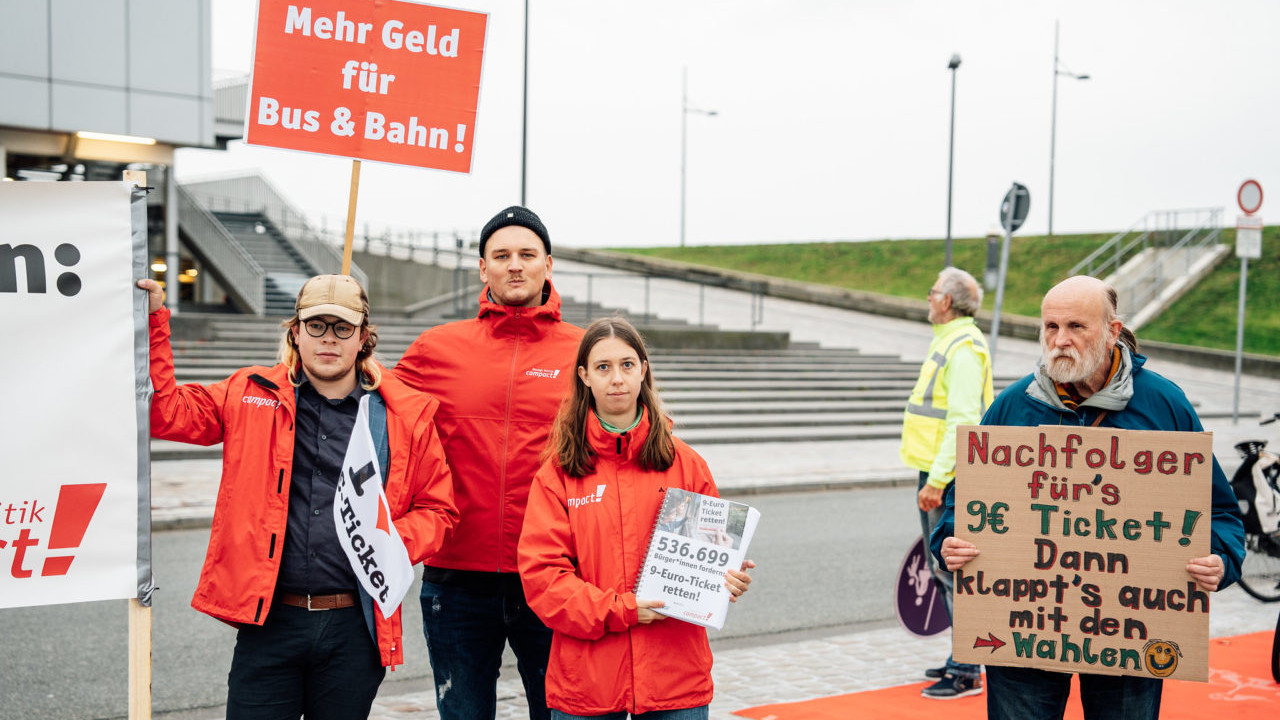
x: 1135, y: 399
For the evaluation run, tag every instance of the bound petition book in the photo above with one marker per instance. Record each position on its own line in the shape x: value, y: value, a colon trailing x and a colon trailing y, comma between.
x: 696, y: 539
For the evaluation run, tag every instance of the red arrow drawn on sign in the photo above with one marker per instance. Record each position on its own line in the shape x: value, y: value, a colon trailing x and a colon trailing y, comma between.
x: 992, y: 642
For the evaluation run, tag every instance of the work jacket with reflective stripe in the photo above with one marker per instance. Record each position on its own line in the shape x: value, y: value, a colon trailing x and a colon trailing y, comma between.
x: 252, y: 414
x: 930, y: 420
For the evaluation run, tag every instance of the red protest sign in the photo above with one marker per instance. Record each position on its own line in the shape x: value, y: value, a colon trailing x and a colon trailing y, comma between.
x: 394, y: 81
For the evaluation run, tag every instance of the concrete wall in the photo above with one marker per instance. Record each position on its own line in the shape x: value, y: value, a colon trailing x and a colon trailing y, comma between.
x: 1010, y: 325
x: 395, y: 283
x: 126, y: 67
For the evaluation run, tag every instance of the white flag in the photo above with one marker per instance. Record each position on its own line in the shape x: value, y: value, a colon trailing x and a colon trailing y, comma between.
x: 363, y: 517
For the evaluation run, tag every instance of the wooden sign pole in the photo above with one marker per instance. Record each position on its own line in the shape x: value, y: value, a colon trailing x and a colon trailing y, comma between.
x: 139, y: 614
x: 351, y: 217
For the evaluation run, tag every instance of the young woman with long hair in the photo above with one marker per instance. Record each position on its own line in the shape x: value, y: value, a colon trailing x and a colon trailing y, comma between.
x: 591, y: 509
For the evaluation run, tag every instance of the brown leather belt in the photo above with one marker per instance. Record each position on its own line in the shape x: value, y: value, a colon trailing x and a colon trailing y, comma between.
x: 319, y: 602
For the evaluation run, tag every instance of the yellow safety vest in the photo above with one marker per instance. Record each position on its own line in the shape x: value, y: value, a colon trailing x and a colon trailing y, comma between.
x: 924, y: 423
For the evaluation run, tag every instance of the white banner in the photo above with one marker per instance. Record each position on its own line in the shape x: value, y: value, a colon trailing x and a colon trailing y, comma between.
x: 363, y: 517
x: 69, y: 490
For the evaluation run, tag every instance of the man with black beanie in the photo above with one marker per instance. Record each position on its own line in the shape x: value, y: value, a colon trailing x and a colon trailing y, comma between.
x: 499, y: 378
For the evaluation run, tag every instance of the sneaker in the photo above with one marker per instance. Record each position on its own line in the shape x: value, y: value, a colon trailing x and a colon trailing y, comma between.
x: 951, y: 687
x: 936, y: 673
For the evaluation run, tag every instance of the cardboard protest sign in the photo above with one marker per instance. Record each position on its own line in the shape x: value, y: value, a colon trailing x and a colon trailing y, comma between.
x: 74, y: 438
x: 392, y: 81
x: 1084, y: 535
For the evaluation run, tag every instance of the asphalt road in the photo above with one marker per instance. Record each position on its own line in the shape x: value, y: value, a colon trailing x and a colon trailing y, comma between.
x: 826, y: 562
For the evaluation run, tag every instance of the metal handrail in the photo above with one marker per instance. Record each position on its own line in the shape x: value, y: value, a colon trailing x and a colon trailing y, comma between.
x: 453, y: 249
x: 253, y: 194
x: 1149, y: 226
x: 1148, y: 285
x: 1087, y: 267
x: 243, y: 278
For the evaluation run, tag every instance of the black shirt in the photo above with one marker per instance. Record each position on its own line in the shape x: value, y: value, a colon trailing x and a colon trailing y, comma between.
x: 313, y: 562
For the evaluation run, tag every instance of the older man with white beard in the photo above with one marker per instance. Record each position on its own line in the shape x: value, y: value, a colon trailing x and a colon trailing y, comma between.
x: 1090, y: 374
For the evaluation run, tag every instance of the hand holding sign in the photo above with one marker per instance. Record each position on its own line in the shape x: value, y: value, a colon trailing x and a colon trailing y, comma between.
x: 957, y: 552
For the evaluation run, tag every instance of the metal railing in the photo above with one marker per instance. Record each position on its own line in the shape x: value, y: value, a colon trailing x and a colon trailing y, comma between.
x: 243, y: 278
x: 603, y: 292
x: 253, y: 194
x: 456, y: 249
x: 1175, y: 260
x: 1158, y: 228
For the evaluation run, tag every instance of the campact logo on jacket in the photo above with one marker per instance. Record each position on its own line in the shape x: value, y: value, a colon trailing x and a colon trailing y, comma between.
x: 539, y: 372
x: 588, y: 499
x: 260, y: 401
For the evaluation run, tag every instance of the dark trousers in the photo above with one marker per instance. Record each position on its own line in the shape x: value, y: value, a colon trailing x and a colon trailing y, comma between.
x: 466, y: 631
x: 321, y: 665
x: 942, y: 578
x: 1027, y: 694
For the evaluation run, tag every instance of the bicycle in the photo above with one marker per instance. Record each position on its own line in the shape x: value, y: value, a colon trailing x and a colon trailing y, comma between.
x: 1257, y: 486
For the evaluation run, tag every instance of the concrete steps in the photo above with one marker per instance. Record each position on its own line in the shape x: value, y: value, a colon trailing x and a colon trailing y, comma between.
x: 716, y: 396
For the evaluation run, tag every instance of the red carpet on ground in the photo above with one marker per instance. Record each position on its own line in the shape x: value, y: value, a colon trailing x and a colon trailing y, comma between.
x: 1239, y: 683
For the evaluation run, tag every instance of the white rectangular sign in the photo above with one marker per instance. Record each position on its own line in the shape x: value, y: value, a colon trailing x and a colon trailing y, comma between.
x: 69, y: 490
x: 1249, y: 237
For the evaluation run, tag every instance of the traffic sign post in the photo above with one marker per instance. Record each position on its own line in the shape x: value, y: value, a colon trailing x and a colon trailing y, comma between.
x: 1013, y: 212
x: 1248, y: 245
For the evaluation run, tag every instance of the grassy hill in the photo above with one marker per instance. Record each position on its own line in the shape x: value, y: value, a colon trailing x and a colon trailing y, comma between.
x: 1205, y: 317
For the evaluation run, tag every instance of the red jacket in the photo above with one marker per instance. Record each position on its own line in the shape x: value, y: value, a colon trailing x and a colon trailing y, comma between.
x: 251, y: 413
x: 500, y: 378
x: 578, y: 564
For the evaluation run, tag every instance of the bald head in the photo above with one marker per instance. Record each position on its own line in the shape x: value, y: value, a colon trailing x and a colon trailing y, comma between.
x: 1080, y: 290
x: 1078, y: 329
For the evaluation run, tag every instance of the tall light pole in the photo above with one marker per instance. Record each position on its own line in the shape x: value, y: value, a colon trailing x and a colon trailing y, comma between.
x: 684, y: 135
x: 1053, y: 123
x: 951, y: 151
x: 524, y: 122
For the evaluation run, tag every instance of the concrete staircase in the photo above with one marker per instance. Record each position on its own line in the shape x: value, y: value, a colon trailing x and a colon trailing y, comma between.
x: 716, y: 396
x: 286, y: 269
x: 1157, y: 259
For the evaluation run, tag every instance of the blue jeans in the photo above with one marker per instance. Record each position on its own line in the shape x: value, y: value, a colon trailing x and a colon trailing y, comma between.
x: 697, y: 713
x: 943, y: 578
x: 466, y: 631
x: 1026, y: 694
x: 319, y: 664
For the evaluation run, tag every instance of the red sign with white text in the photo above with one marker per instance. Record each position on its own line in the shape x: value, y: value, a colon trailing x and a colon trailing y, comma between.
x: 382, y: 80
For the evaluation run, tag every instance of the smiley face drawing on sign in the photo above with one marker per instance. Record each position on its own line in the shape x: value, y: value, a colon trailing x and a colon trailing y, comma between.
x: 1161, y: 657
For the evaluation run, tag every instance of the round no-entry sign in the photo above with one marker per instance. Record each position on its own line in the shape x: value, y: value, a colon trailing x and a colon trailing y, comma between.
x: 1249, y: 196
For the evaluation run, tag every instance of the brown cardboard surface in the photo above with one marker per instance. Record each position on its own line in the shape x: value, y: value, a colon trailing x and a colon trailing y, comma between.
x: 1084, y: 536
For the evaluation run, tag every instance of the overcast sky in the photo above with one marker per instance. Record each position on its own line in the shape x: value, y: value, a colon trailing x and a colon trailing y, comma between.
x: 832, y: 119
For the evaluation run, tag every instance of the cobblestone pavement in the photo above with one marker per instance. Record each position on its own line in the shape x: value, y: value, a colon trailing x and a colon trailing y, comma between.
x: 842, y: 663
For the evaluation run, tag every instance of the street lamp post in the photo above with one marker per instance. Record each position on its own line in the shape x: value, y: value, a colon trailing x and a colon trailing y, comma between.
x: 524, y: 111
x: 1053, y: 123
x: 684, y: 134
x: 951, y: 152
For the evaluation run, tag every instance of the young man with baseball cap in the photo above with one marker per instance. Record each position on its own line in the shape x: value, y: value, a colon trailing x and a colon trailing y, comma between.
x: 499, y: 378
x: 313, y: 639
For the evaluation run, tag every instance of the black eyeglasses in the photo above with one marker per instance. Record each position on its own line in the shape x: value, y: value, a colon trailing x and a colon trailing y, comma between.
x: 317, y: 328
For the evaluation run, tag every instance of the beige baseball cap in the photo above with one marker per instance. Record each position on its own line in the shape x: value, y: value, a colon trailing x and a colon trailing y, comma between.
x: 336, y: 295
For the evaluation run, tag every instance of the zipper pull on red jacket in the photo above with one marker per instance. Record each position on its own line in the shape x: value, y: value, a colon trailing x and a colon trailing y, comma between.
x: 619, y: 445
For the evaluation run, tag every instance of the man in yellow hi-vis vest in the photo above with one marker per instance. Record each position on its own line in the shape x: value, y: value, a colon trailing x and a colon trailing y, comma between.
x: 954, y: 389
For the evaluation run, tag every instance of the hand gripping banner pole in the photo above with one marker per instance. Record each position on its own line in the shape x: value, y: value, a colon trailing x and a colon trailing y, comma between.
x: 140, y: 606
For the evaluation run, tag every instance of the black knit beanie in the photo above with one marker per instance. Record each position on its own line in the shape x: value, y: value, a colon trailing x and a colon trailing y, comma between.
x: 516, y: 215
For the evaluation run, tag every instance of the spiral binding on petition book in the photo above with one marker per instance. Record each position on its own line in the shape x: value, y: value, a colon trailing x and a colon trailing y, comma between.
x: 653, y: 534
